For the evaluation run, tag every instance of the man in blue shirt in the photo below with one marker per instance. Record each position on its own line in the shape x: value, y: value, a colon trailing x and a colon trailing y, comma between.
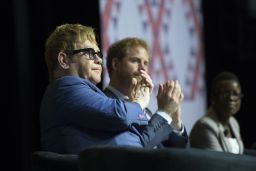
x: 75, y: 114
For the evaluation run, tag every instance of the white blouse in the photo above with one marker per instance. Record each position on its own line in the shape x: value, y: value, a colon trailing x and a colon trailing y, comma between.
x: 234, y: 145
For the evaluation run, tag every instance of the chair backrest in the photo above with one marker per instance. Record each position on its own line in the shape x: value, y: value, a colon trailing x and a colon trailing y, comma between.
x: 50, y: 161
x: 251, y: 152
x: 127, y: 159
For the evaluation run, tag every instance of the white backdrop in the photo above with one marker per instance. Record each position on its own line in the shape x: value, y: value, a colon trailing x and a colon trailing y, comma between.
x: 173, y: 29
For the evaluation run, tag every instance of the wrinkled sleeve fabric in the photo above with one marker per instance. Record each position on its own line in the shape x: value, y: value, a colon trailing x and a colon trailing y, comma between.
x: 78, y: 102
x: 177, y: 139
x: 154, y: 132
x: 158, y: 134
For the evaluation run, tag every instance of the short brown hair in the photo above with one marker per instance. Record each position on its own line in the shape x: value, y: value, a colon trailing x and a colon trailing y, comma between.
x: 120, y: 49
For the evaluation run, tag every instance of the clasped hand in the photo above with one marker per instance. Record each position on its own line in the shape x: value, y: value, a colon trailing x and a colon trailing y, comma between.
x: 169, y: 99
x: 141, y: 88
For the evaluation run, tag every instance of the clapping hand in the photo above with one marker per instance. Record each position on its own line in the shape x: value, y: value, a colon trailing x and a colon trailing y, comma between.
x: 169, y: 98
x: 141, y: 88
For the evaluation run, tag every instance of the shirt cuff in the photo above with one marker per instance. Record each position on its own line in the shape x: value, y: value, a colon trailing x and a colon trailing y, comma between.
x: 181, y: 131
x: 165, y: 116
x: 169, y: 120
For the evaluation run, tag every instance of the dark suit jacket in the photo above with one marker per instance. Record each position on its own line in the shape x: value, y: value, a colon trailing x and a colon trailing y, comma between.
x: 157, y: 133
x: 75, y: 115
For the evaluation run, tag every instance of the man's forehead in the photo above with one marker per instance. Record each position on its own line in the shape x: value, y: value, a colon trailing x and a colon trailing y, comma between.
x: 88, y: 44
x: 144, y: 58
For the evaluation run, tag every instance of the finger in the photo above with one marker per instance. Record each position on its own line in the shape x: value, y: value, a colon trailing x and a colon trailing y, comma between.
x: 134, y: 87
x: 134, y: 81
x: 145, y: 75
x: 176, y: 91
x: 177, y: 85
x: 170, y: 87
x: 147, y: 80
x: 176, y: 94
x: 137, y: 90
x: 181, y: 97
x: 164, y: 87
x: 150, y: 85
x: 160, y: 90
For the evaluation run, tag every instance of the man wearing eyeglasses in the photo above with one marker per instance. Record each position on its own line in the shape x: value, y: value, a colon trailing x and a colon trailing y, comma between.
x: 75, y: 114
x: 218, y: 130
x: 125, y: 59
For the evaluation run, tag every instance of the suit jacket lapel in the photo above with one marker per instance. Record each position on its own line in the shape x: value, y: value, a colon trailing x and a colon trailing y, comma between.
x: 222, y: 139
x: 225, y: 144
x: 110, y: 93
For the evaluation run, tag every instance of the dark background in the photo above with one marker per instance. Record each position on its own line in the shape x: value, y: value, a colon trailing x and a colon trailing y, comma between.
x: 229, y: 38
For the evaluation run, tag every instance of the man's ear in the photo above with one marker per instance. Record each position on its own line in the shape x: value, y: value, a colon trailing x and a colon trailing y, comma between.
x: 115, y: 63
x: 63, y: 61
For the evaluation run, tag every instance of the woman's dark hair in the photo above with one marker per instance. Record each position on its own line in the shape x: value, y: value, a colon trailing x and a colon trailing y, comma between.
x: 223, y: 76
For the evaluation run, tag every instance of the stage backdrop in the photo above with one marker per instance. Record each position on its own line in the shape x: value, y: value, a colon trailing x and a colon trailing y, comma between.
x: 173, y: 29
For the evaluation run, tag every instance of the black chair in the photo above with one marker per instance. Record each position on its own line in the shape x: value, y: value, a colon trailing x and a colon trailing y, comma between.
x: 49, y: 161
x: 173, y: 159
x: 251, y: 152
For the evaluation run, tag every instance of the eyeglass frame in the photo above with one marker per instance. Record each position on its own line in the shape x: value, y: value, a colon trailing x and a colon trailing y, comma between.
x: 225, y: 95
x: 90, y: 51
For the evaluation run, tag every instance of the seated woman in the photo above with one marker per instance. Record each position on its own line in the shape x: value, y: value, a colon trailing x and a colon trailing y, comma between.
x: 218, y: 130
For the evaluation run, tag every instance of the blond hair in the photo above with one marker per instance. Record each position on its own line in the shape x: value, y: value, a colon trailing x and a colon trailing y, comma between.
x: 64, y: 38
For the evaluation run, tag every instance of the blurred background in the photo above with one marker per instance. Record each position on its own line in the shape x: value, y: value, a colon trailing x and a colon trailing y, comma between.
x: 229, y: 38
